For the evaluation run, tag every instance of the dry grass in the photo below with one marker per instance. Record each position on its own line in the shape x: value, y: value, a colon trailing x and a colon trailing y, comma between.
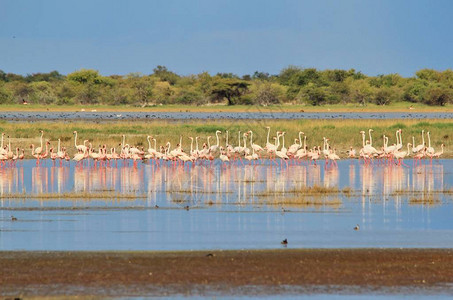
x: 73, y: 195
x: 306, y: 190
x: 420, y: 192
x: 350, y: 107
x: 428, y: 201
x: 304, y: 201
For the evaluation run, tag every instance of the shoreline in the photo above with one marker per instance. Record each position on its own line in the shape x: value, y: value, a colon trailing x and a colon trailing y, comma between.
x: 404, y: 107
x: 237, y: 272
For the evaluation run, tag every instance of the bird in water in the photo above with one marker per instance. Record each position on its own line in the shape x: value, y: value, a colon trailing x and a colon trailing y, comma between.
x: 284, y: 242
x: 357, y: 227
x: 13, y: 218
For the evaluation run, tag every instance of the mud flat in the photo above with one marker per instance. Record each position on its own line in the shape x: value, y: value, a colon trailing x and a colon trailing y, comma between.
x: 255, y: 272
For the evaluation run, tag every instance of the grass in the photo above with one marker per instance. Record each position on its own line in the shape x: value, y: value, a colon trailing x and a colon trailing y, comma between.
x: 342, y: 133
x: 306, y: 202
x: 72, y: 195
x: 306, y: 190
x: 424, y: 201
x: 394, y: 107
x: 423, y: 192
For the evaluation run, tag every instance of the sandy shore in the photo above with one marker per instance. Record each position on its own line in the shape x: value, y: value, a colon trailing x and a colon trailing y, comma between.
x: 253, y: 272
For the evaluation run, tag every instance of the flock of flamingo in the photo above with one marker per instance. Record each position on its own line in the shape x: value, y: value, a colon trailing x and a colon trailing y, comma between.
x: 276, y: 150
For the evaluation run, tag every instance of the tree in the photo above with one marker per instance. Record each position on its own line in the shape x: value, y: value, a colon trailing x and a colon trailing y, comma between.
x: 438, y: 95
x: 315, y: 95
x: 43, y: 92
x: 361, y: 91
x: 428, y: 75
x: 383, y: 96
x: 414, y: 91
x: 5, y: 95
x: 260, y: 75
x: 143, y: 87
x: 231, y: 89
x: 165, y: 75
x: 52, y: 76
x: 266, y: 93
x: 85, y: 76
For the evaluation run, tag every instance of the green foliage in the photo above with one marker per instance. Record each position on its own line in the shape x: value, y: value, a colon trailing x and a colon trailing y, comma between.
x: 438, y: 95
x: 165, y: 75
x: 293, y: 84
x: 383, y: 96
x: 230, y: 89
x: 5, y: 96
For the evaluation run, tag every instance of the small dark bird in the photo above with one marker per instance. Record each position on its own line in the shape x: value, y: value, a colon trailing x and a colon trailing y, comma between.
x: 156, y: 206
x: 284, y: 242
x: 357, y: 227
x: 13, y: 218
x: 187, y: 207
x: 209, y: 255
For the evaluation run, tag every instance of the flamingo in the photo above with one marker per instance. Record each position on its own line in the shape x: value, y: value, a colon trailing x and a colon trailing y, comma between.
x: 80, y: 148
x: 151, y: 150
x: 254, y: 146
x: 215, y: 147
x: 283, y: 149
x: 245, y: 150
x: 2, y: 150
x: 9, y: 153
x: 223, y: 157
x: 421, y: 146
x: 351, y: 153
x: 38, y: 150
x: 280, y: 153
x: 400, y: 155
x: 238, y: 149
x: 294, y: 147
x: 438, y: 154
x: 429, y: 150
x: 271, y: 148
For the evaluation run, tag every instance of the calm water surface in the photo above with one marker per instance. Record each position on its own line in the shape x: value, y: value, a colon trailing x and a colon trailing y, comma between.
x: 233, y: 207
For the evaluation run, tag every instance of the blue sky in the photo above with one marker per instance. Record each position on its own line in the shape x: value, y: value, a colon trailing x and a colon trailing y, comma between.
x: 239, y: 36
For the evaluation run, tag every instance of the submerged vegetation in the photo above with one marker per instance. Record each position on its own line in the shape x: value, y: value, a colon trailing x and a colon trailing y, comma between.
x: 294, y: 85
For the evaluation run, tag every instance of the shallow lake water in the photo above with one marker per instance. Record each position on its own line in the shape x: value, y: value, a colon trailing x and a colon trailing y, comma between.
x: 166, y: 207
x: 263, y: 114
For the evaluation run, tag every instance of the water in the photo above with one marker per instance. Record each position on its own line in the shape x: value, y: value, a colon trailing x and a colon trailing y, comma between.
x: 95, y: 116
x: 218, y: 207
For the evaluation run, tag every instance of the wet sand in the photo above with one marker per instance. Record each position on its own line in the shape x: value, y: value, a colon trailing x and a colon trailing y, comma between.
x: 256, y: 272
